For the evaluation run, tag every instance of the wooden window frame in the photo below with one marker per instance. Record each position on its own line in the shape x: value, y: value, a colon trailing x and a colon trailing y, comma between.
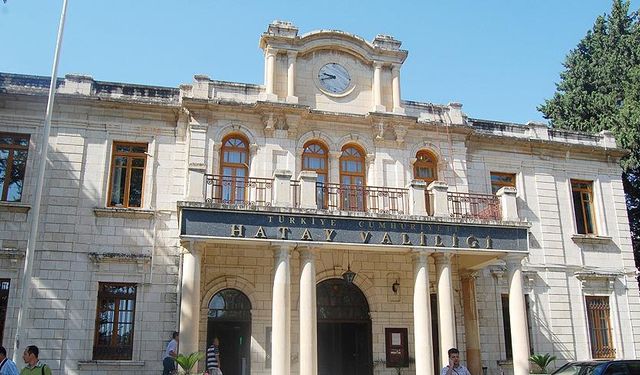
x: 322, y: 193
x: 500, y: 184
x: 425, y: 164
x: 11, y: 148
x: 599, y: 326
x: 232, y: 183
x: 5, y: 287
x: 585, y: 219
x: 129, y: 167
x: 352, y: 190
x: 324, y: 156
x: 106, y: 352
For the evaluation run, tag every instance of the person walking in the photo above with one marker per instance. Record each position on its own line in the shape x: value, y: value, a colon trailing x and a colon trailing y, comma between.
x: 170, y: 354
x: 454, y: 367
x: 33, y: 365
x: 7, y: 366
x: 213, y: 358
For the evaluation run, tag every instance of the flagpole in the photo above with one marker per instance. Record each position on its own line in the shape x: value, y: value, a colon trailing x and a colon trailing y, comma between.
x: 27, y: 275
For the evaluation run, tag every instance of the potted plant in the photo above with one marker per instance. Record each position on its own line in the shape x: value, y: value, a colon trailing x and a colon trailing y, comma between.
x: 186, y: 362
x: 541, y: 362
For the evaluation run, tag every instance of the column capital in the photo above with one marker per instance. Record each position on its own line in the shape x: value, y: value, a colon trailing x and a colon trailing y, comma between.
x: 270, y: 51
x: 292, y: 54
x: 378, y: 64
x: 307, y: 252
x: 514, y: 261
x: 442, y: 258
x: 395, y: 68
x: 335, y: 154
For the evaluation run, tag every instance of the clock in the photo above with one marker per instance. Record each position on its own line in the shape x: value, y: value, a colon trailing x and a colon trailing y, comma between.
x: 334, y: 78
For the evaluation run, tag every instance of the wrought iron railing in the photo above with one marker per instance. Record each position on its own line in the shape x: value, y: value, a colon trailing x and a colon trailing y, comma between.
x: 252, y: 191
x: 362, y: 198
x: 474, y: 206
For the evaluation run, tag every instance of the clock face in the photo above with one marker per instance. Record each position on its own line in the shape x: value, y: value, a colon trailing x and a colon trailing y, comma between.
x: 334, y: 78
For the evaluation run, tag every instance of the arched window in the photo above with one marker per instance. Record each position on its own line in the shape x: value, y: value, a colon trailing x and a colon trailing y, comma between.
x: 230, y: 304
x: 352, y: 178
x: 314, y: 158
x: 234, y: 167
x: 426, y: 169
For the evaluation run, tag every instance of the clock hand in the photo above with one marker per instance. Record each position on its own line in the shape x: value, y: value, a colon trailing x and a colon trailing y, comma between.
x: 329, y: 76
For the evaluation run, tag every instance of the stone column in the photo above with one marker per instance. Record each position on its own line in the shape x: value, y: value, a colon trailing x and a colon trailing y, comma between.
x: 471, y: 324
x: 518, y: 316
x: 377, y: 88
x: 291, y: 74
x: 446, y: 313
x: 508, y: 204
x: 395, y: 82
x: 281, y: 313
x: 270, y: 81
x: 422, y: 315
x: 308, y: 319
x: 190, y: 300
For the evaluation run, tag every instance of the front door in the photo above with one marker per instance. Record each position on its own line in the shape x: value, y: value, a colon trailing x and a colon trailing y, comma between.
x: 344, y: 329
x: 230, y: 321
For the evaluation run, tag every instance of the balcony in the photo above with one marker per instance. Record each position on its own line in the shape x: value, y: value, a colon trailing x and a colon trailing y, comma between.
x: 307, y: 193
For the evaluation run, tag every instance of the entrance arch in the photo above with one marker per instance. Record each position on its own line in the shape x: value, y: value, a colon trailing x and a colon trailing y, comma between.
x: 229, y: 319
x: 344, y: 329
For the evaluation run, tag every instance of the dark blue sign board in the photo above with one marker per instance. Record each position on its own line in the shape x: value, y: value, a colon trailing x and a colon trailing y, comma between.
x: 220, y: 223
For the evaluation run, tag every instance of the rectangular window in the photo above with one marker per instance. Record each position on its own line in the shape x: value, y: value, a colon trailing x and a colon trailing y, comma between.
x: 127, y: 174
x: 600, y: 327
x: 4, y: 301
x: 500, y: 180
x: 582, y: 192
x: 506, y: 326
x: 13, y: 160
x: 114, y: 321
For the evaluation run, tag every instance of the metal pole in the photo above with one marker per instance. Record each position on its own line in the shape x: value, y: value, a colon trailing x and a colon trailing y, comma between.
x: 25, y: 283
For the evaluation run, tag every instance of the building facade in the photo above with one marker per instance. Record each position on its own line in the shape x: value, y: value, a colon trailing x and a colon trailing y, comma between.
x: 316, y: 224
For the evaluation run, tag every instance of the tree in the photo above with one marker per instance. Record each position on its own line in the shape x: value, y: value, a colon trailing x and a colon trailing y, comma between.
x: 600, y: 90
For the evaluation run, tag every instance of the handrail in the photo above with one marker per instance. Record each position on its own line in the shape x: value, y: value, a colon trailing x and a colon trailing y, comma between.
x: 253, y: 191
x: 333, y: 197
x: 474, y: 206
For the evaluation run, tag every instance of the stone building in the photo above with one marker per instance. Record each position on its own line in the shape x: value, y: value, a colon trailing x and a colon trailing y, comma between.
x: 317, y: 221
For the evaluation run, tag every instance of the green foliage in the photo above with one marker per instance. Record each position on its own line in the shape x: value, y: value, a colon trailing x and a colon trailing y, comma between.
x: 188, y: 361
x: 542, y: 361
x: 600, y: 86
x: 600, y: 90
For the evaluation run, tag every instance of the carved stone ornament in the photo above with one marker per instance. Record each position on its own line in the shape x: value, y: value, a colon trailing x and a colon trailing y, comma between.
x: 596, y: 280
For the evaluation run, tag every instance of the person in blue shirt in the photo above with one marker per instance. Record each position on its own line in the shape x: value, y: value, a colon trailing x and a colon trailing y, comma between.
x: 7, y: 366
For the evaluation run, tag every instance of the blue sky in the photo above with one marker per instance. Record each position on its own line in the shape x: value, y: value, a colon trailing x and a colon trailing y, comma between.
x: 499, y: 58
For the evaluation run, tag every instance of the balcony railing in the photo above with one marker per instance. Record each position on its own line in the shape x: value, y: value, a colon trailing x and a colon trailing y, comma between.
x: 307, y: 193
x: 474, y: 206
x: 362, y: 198
x: 252, y: 191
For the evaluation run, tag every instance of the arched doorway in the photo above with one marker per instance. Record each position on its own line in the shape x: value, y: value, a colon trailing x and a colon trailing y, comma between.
x: 229, y: 320
x: 344, y: 329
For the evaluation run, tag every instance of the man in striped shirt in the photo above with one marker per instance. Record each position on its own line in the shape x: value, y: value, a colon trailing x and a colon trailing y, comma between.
x: 213, y: 358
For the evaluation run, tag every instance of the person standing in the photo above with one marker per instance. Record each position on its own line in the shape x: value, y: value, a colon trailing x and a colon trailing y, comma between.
x: 170, y: 354
x: 7, y: 366
x: 454, y: 367
x: 213, y: 358
x: 34, y: 366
